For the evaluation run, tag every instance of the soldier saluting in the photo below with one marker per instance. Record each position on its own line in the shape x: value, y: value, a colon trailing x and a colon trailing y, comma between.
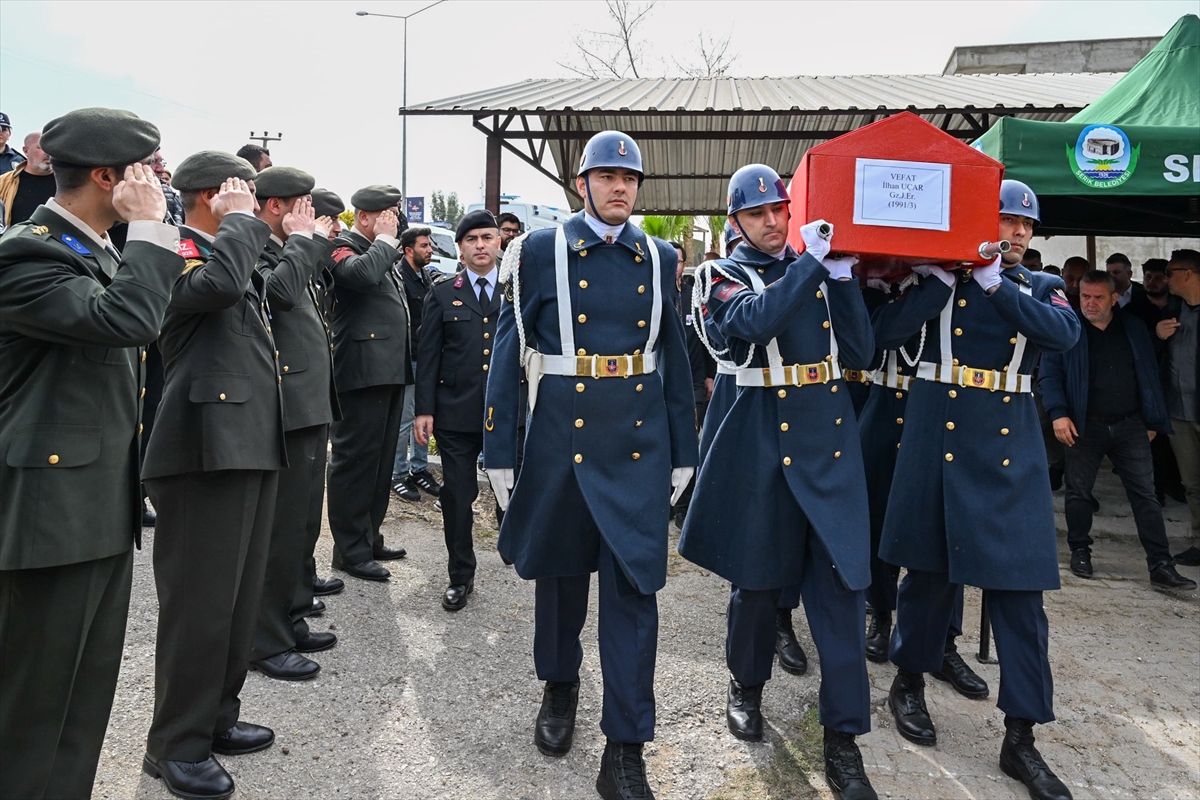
x: 611, y: 443
x: 971, y: 500
x: 73, y: 316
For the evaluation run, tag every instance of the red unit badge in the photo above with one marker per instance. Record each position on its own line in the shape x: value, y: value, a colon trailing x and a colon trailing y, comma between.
x: 610, y: 366
x: 813, y: 374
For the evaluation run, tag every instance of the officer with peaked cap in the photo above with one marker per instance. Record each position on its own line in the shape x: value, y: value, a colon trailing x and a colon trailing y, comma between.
x: 795, y: 511
x: 73, y: 314
x: 611, y: 443
x: 288, y: 264
x: 974, y: 505
x: 372, y: 366
x: 212, y: 468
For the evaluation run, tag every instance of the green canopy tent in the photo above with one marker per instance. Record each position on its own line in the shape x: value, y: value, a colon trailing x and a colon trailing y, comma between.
x: 1129, y: 163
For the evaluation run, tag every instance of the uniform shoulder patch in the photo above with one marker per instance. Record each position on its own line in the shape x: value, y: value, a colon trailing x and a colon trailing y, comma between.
x: 340, y: 254
x: 508, y: 290
x: 187, y: 248
x: 1059, y: 298
x: 726, y: 289
x: 74, y: 244
x: 191, y: 264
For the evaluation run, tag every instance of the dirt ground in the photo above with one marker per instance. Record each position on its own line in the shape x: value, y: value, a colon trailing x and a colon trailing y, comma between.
x: 415, y: 702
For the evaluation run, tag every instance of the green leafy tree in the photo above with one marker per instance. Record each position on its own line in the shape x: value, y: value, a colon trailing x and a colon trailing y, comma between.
x: 455, y: 210
x: 716, y: 225
x: 448, y: 209
x: 437, y: 207
x: 671, y: 229
x: 347, y: 218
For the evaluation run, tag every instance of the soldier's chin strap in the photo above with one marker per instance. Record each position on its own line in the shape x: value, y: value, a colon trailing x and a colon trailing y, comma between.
x: 587, y: 192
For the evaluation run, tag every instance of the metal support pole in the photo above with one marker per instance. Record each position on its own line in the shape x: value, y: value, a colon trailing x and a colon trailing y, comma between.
x: 491, y: 186
x: 404, y: 124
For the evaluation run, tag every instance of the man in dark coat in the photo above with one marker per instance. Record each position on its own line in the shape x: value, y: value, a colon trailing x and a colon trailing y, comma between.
x: 794, y: 512
x: 612, y: 437
x: 455, y: 354
x: 372, y: 365
x: 1105, y: 398
x: 212, y: 468
x: 74, y: 317
x: 289, y: 262
x: 973, y: 503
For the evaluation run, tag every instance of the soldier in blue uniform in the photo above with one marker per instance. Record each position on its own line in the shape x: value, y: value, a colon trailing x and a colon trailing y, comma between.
x: 611, y: 443
x: 795, y: 511
x: 974, y: 503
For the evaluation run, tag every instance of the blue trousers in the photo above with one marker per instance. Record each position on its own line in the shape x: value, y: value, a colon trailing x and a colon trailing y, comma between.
x: 402, y: 465
x: 628, y: 633
x: 837, y: 620
x: 925, y: 606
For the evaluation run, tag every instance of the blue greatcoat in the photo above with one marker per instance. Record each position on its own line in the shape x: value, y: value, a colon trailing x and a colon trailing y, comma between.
x: 971, y: 496
x: 765, y: 500
x: 612, y: 440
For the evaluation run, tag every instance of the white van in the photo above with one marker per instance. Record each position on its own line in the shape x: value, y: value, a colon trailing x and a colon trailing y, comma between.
x: 445, y: 252
x: 532, y: 215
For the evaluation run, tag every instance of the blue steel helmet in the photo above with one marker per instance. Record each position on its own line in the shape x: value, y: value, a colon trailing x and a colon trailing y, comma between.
x: 1017, y: 198
x: 755, y: 185
x: 731, y: 236
x: 612, y: 149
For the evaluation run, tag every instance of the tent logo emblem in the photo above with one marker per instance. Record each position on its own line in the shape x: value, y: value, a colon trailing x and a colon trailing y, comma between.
x: 1102, y: 157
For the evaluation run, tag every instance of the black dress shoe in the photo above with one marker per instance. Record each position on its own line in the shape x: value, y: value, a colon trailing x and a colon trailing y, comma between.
x: 844, y: 770
x: 455, y: 596
x: 289, y: 666
x: 1081, y: 562
x: 1164, y: 576
x: 327, y: 586
x: 1189, y: 557
x: 367, y: 570
x: 907, y: 702
x: 425, y: 481
x: 958, y: 674
x: 318, y: 608
x: 555, y: 726
x: 743, y: 711
x: 381, y: 552
x: 315, y: 642
x: 243, y: 738
x: 204, y: 780
x: 149, y: 518
x: 879, y: 634
x: 1020, y: 760
x: 791, y: 654
x: 623, y: 773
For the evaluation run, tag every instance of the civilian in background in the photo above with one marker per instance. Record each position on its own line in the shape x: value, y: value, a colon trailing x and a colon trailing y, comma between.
x: 259, y: 157
x: 1156, y: 284
x: 1179, y: 330
x: 1052, y: 269
x: 1106, y: 399
x: 1121, y: 269
x: 1074, y: 268
x: 175, y: 213
x: 510, y: 228
x: 28, y: 185
x: 9, y: 158
x: 1032, y: 260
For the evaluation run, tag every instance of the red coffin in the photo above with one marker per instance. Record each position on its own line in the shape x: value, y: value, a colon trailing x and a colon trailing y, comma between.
x: 899, y: 192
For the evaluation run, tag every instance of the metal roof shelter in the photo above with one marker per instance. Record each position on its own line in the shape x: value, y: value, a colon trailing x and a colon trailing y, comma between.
x: 695, y: 132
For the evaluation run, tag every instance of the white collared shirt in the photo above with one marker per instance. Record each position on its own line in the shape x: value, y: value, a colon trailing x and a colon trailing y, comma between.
x: 141, y: 230
x: 1123, y: 299
x: 490, y: 278
x: 605, y: 231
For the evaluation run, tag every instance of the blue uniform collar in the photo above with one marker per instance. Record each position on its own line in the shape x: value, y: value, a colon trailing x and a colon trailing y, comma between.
x: 745, y: 254
x: 581, y: 236
x: 1019, y: 275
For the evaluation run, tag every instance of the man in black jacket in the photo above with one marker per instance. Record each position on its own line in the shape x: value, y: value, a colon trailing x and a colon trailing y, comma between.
x: 212, y: 470
x: 1105, y: 399
x: 456, y: 348
x: 371, y: 366
x: 288, y: 264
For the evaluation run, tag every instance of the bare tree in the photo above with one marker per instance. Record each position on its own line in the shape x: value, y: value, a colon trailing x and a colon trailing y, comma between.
x: 612, y: 53
x: 713, y: 55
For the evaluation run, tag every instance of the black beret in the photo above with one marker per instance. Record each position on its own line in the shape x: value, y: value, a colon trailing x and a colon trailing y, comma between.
x: 208, y: 169
x: 326, y: 203
x: 283, y: 182
x: 100, y: 137
x: 376, y: 197
x: 481, y: 218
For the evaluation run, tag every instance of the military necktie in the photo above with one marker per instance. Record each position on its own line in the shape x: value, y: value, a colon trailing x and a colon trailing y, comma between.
x: 484, y: 300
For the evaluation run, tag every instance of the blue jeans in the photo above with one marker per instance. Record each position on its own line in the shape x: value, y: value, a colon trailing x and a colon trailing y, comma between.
x: 420, y: 452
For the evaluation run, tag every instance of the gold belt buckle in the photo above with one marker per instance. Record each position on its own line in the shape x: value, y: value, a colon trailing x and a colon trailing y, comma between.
x: 979, y: 378
x: 598, y: 366
x: 808, y: 374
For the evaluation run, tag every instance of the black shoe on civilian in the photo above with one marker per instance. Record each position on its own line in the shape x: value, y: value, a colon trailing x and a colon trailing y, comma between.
x: 879, y: 634
x: 424, y: 481
x: 844, y: 770
x: 1081, y: 562
x: 318, y: 608
x: 406, y: 490
x: 1189, y: 557
x: 327, y: 586
x: 455, y: 596
x: 955, y: 672
x: 1021, y: 761
x: 203, y: 780
x: 289, y: 666
x: 368, y: 570
x: 243, y: 738
x: 1164, y: 576
x: 381, y: 552
x: 313, y: 642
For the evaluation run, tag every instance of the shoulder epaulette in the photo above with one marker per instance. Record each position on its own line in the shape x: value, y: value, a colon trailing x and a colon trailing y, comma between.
x: 191, y: 264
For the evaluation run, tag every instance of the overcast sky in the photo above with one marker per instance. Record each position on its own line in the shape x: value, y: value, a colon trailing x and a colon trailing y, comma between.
x: 209, y: 73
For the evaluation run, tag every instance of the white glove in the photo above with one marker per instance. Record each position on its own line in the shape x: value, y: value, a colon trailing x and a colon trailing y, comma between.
x: 839, y: 268
x: 988, y: 277
x: 680, y: 478
x: 814, y: 245
x: 925, y: 270
x: 502, y: 481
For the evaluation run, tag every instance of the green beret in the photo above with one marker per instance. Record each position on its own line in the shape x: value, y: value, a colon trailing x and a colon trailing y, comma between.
x: 376, y: 198
x: 100, y: 137
x: 208, y: 169
x: 283, y: 182
x: 326, y: 203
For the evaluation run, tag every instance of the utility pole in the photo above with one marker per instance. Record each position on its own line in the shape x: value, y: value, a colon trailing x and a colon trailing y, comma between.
x: 266, y: 137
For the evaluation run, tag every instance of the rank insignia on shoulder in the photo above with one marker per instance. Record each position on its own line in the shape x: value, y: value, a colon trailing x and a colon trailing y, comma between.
x: 187, y: 248
x: 508, y: 291
x: 39, y: 230
x: 191, y: 264
x: 457, y: 303
x: 1057, y: 298
x: 73, y: 243
x: 458, y: 282
x: 638, y: 245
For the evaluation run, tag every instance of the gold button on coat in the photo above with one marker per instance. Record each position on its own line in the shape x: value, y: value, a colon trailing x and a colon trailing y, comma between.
x: 487, y: 352
x: 820, y: 294
x: 953, y: 394
x: 222, y: 395
x: 837, y: 454
x: 582, y: 318
x: 1012, y: 340
x: 638, y: 388
x: 636, y: 456
x: 899, y: 395
x: 641, y: 323
x: 487, y: 336
x: 958, y: 331
x: 53, y: 459
x: 285, y: 368
x: 783, y: 426
x: 641, y: 290
x: 139, y: 429
x: 583, y: 284
x: 949, y: 456
x: 578, y: 458
x: 485, y: 319
x: 833, y: 389
x: 638, y: 259
x: 899, y: 420
x: 1004, y: 431
x: 837, y: 421
x: 962, y: 303
x: 1006, y: 399
x: 949, y: 426
x: 578, y: 423
x: 825, y: 324
x: 579, y: 387
x: 787, y: 461
x: 1004, y: 463
x: 485, y: 367
x: 143, y: 392
x: 372, y: 336
x: 782, y: 393
x: 583, y: 253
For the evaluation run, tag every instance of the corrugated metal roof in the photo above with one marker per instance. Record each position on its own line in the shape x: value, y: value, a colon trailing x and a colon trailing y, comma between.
x: 694, y: 132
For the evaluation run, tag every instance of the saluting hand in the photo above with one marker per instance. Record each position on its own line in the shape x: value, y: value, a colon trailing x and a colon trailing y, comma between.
x: 1064, y: 431
x: 234, y: 195
x: 387, y: 223
x: 323, y: 227
x: 301, y: 219
x: 139, y: 196
x: 1166, y: 328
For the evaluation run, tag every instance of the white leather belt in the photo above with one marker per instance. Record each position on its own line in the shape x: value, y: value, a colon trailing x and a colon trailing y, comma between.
x: 993, y: 380
x: 890, y: 376
x: 596, y: 366
x: 790, y: 375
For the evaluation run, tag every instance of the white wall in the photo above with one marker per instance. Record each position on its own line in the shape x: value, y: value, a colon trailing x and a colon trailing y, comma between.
x: 1057, y: 249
